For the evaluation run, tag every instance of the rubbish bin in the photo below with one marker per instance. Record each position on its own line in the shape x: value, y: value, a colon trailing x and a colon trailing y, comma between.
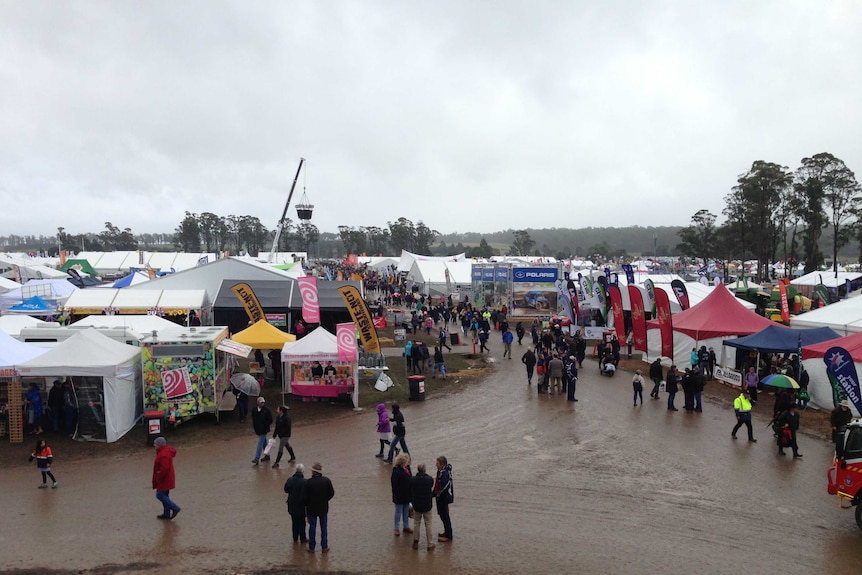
x: 155, y: 422
x: 455, y: 338
x: 417, y: 387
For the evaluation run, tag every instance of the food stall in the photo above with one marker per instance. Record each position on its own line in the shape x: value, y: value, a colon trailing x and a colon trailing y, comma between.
x: 263, y: 335
x: 185, y: 374
x: 300, y: 356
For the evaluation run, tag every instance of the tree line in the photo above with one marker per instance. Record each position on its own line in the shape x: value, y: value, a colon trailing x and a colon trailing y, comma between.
x: 774, y: 213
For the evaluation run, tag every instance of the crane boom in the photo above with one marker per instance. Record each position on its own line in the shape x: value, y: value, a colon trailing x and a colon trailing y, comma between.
x: 281, y: 223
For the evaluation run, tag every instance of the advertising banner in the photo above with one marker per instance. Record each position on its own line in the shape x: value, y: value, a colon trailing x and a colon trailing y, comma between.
x: 362, y: 317
x: 563, y: 292
x: 345, y: 336
x: 728, y: 375
x: 638, y: 318
x: 310, y: 300
x: 573, y: 297
x: 252, y: 306
x: 650, y: 290
x: 600, y: 292
x: 630, y: 274
x: 534, y: 292
x: 617, y: 309
x: 681, y: 293
x: 785, y: 308
x: 842, y: 370
x: 664, y: 323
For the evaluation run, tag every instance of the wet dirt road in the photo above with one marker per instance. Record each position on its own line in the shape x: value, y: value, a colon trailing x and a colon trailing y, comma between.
x: 541, y: 486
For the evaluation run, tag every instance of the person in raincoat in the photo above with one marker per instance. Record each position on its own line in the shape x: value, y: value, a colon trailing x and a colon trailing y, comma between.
x: 384, y: 428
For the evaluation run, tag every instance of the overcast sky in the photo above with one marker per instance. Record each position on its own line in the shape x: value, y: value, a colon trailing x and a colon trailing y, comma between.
x: 469, y: 116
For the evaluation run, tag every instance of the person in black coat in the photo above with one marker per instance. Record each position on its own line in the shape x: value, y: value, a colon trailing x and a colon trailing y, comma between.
x: 671, y: 387
x: 401, y: 493
x: 283, y: 426
x: 294, y: 487
x: 422, y: 497
x: 261, y: 421
x: 655, y: 374
x: 316, y: 495
x: 788, y: 420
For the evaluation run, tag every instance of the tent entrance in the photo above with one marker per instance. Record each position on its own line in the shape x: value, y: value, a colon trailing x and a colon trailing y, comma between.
x: 90, y: 391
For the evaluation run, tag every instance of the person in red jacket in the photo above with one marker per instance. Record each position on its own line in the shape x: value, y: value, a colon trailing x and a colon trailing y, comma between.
x: 164, y: 478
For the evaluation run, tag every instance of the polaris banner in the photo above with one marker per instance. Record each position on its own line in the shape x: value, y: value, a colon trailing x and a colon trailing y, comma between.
x: 681, y: 293
x: 534, y: 293
x: 841, y: 369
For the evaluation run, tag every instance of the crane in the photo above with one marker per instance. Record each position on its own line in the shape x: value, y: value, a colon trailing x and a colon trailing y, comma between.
x: 282, y: 222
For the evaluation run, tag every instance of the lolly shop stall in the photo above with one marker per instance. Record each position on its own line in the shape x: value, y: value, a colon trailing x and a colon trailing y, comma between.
x: 314, y: 372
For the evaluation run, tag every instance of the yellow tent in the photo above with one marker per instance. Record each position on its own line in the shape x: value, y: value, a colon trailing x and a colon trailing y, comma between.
x: 263, y: 335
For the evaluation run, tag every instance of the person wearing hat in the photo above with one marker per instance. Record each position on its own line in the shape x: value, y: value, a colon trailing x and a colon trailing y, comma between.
x: 839, y: 418
x: 638, y: 386
x: 316, y: 495
x: 261, y: 421
x: 742, y: 408
x: 164, y: 478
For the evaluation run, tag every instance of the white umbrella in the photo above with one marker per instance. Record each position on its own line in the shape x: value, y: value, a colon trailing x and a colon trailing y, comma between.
x: 245, y: 383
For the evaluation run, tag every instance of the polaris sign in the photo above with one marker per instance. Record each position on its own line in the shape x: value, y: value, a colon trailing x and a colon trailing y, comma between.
x: 541, y: 275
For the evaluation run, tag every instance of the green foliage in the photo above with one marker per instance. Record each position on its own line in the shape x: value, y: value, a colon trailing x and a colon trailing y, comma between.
x: 699, y: 239
x: 522, y: 245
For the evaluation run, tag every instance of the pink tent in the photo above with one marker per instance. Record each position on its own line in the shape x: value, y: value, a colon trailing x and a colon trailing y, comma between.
x: 719, y: 314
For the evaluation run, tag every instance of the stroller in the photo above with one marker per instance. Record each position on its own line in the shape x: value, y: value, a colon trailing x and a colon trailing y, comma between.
x: 607, y: 366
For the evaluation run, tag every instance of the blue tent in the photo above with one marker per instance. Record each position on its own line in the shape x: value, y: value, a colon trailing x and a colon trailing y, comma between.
x: 780, y: 339
x: 34, y: 306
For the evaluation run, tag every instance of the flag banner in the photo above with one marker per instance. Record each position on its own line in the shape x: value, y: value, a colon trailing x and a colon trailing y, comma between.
x: 573, y: 296
x: 62, y: 257
x: 785, y: 308
x: 681, y: 293
x: 650, y: 291
x: 586, y: 290
x: 615, y: 279
x: 630, y: 273
x: 847, y: 288
x: 664, y: 323
x: 840, y: 366
x: 379, y: 322
x: 566, y: 300
x: 252, y: 306
x: 310, y: 299
x: 821, y: 292
x: 617, y: 308
x: 362, y: 317
x: 638, y: 318
x: 345, y: 334
x: 608, y: 277
x: 204, y: 260
x: 140, y: 258
x: 176, y: 382
x: 600, y: 289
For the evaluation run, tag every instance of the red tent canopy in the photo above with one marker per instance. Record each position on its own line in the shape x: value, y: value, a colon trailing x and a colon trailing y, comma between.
x: 719, y: 314
x: 852, y: 343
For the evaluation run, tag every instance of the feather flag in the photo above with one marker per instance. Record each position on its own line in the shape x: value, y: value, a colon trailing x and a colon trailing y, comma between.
x: 345, y: 335
x: 617, y: 308
x: 665, y: 325
x: 638, y: 318
x: 310, y: 299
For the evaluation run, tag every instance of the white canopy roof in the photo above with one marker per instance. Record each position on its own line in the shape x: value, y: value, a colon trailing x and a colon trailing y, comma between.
x: 827, y: 278
x: 139, y: 299
x: 407, y: 259
x: 12, y: 324
x: 85, y: 353
x: 13, y: 352
x: 318, y: 345
x: 844, y: 316
x: 144, y: 324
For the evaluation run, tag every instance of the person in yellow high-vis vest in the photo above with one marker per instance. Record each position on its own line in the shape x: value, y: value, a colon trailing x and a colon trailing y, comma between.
x: 742, y: 408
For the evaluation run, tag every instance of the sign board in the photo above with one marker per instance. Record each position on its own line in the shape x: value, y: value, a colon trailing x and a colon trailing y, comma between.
x: 400, y: 334
x: 534, y: 292
x: 727, y: 375
x: 276, y: 319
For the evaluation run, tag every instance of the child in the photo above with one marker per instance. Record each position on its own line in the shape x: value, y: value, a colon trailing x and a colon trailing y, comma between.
x: 638, y: 386
x: 384, y: 428
x: 44, y: 458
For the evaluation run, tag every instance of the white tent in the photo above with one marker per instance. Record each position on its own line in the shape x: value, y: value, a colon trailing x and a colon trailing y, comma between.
x: 827, y: 278
x: 107, y: 378
x: 844, y: 316
x: 143, y: 324
x: 407, y: 259
x: 7, y: 284
x: 318, y: 345
x: 13, y: 352
x: 12, y: 324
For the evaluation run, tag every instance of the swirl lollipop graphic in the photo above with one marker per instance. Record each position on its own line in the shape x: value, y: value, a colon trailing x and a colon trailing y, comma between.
x: 310, y: 301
